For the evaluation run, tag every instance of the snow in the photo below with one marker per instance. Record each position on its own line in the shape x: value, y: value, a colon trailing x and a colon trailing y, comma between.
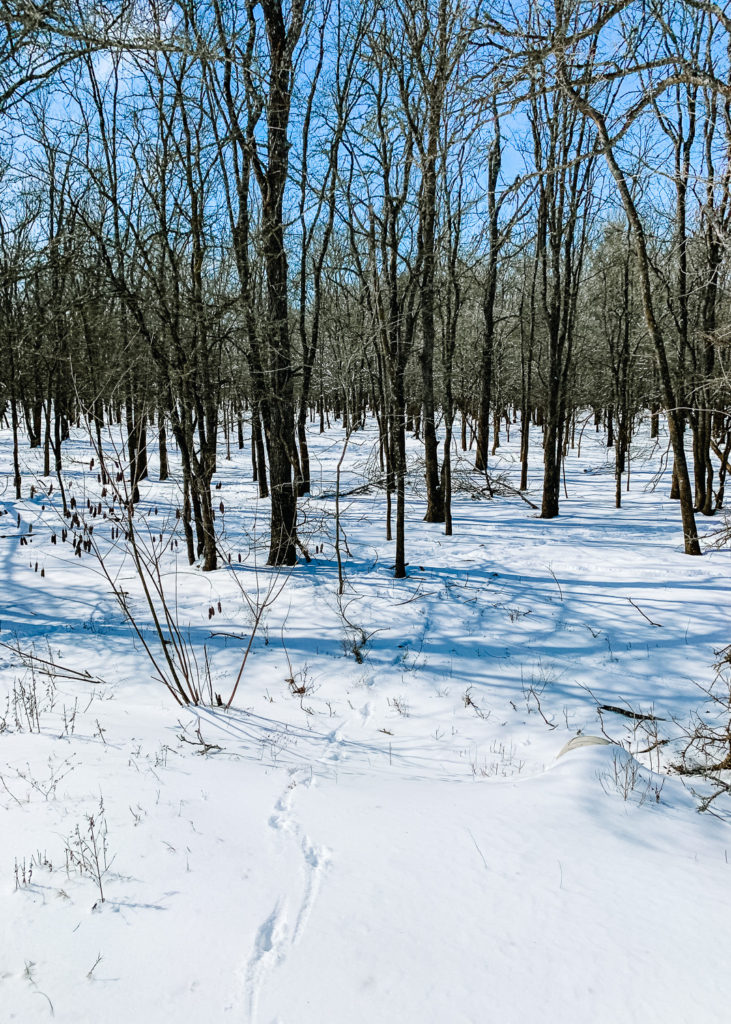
x: 400, y: 840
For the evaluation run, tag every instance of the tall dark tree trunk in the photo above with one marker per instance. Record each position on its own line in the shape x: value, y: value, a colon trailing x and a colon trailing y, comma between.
x: 527, y: 349
x: 17, y: 480
x: 494, y: 164
x: 163, y: 447
x: 282, y: 39
x: 434, y: 494
x: 258, y: 453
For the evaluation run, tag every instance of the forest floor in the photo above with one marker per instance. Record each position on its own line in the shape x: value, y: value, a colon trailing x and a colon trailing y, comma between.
x: 381, y: 828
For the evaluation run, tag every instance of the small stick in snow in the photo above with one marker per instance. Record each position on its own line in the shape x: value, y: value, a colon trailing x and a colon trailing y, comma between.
x: 556, y: 582
x: 94, y: 965
x: 203, y: 746
x: 630, y: 714
x: 658, y: 624
x: 482, y: 855
x: 490, y: 489
x: 51, y: 668
x: 653, y: 746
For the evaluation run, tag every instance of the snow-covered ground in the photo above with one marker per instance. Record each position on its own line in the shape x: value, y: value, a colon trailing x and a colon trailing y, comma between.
x: 381, y: 828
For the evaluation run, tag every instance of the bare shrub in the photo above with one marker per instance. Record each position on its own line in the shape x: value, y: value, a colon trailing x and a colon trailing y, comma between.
x: 707, y: 750
x: 87, y: 849
x: 628, y: 779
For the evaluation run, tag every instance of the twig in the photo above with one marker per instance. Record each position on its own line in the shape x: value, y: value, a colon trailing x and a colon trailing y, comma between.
x: 720, y: 455
x: 630, y: 714
x: 10, y: 793
x: 205, y: 747
x: 653, y: 746
x: 482, y: 855
x: 508, y: 487
x: 658, y: 624
x: 96, y: 963
x: 556, y: 582
x: 48, y: 667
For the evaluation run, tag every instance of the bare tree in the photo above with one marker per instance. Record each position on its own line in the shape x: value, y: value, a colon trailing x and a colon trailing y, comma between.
x: 567, y: 65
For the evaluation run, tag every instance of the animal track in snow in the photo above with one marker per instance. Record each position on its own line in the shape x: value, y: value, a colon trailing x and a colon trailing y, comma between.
x: 269, y: 949
x: 274, y: 940
x: 316, y: 859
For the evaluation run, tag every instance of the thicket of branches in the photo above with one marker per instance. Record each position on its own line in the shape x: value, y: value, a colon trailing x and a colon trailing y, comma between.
x: 248, y: 214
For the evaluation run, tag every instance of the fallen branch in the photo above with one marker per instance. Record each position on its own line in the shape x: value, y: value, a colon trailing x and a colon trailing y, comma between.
x: 699, y: 769
x: 629, y: 714
x: 203, y: 747
x: 557, y: 583
x: 51, y: 668
x: 653, y: 746
x: 491, y: 487
x: 360, y: 489
x: 658, y: 624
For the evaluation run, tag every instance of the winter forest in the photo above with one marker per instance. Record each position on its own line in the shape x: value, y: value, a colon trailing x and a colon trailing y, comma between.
x: 365, y: 394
